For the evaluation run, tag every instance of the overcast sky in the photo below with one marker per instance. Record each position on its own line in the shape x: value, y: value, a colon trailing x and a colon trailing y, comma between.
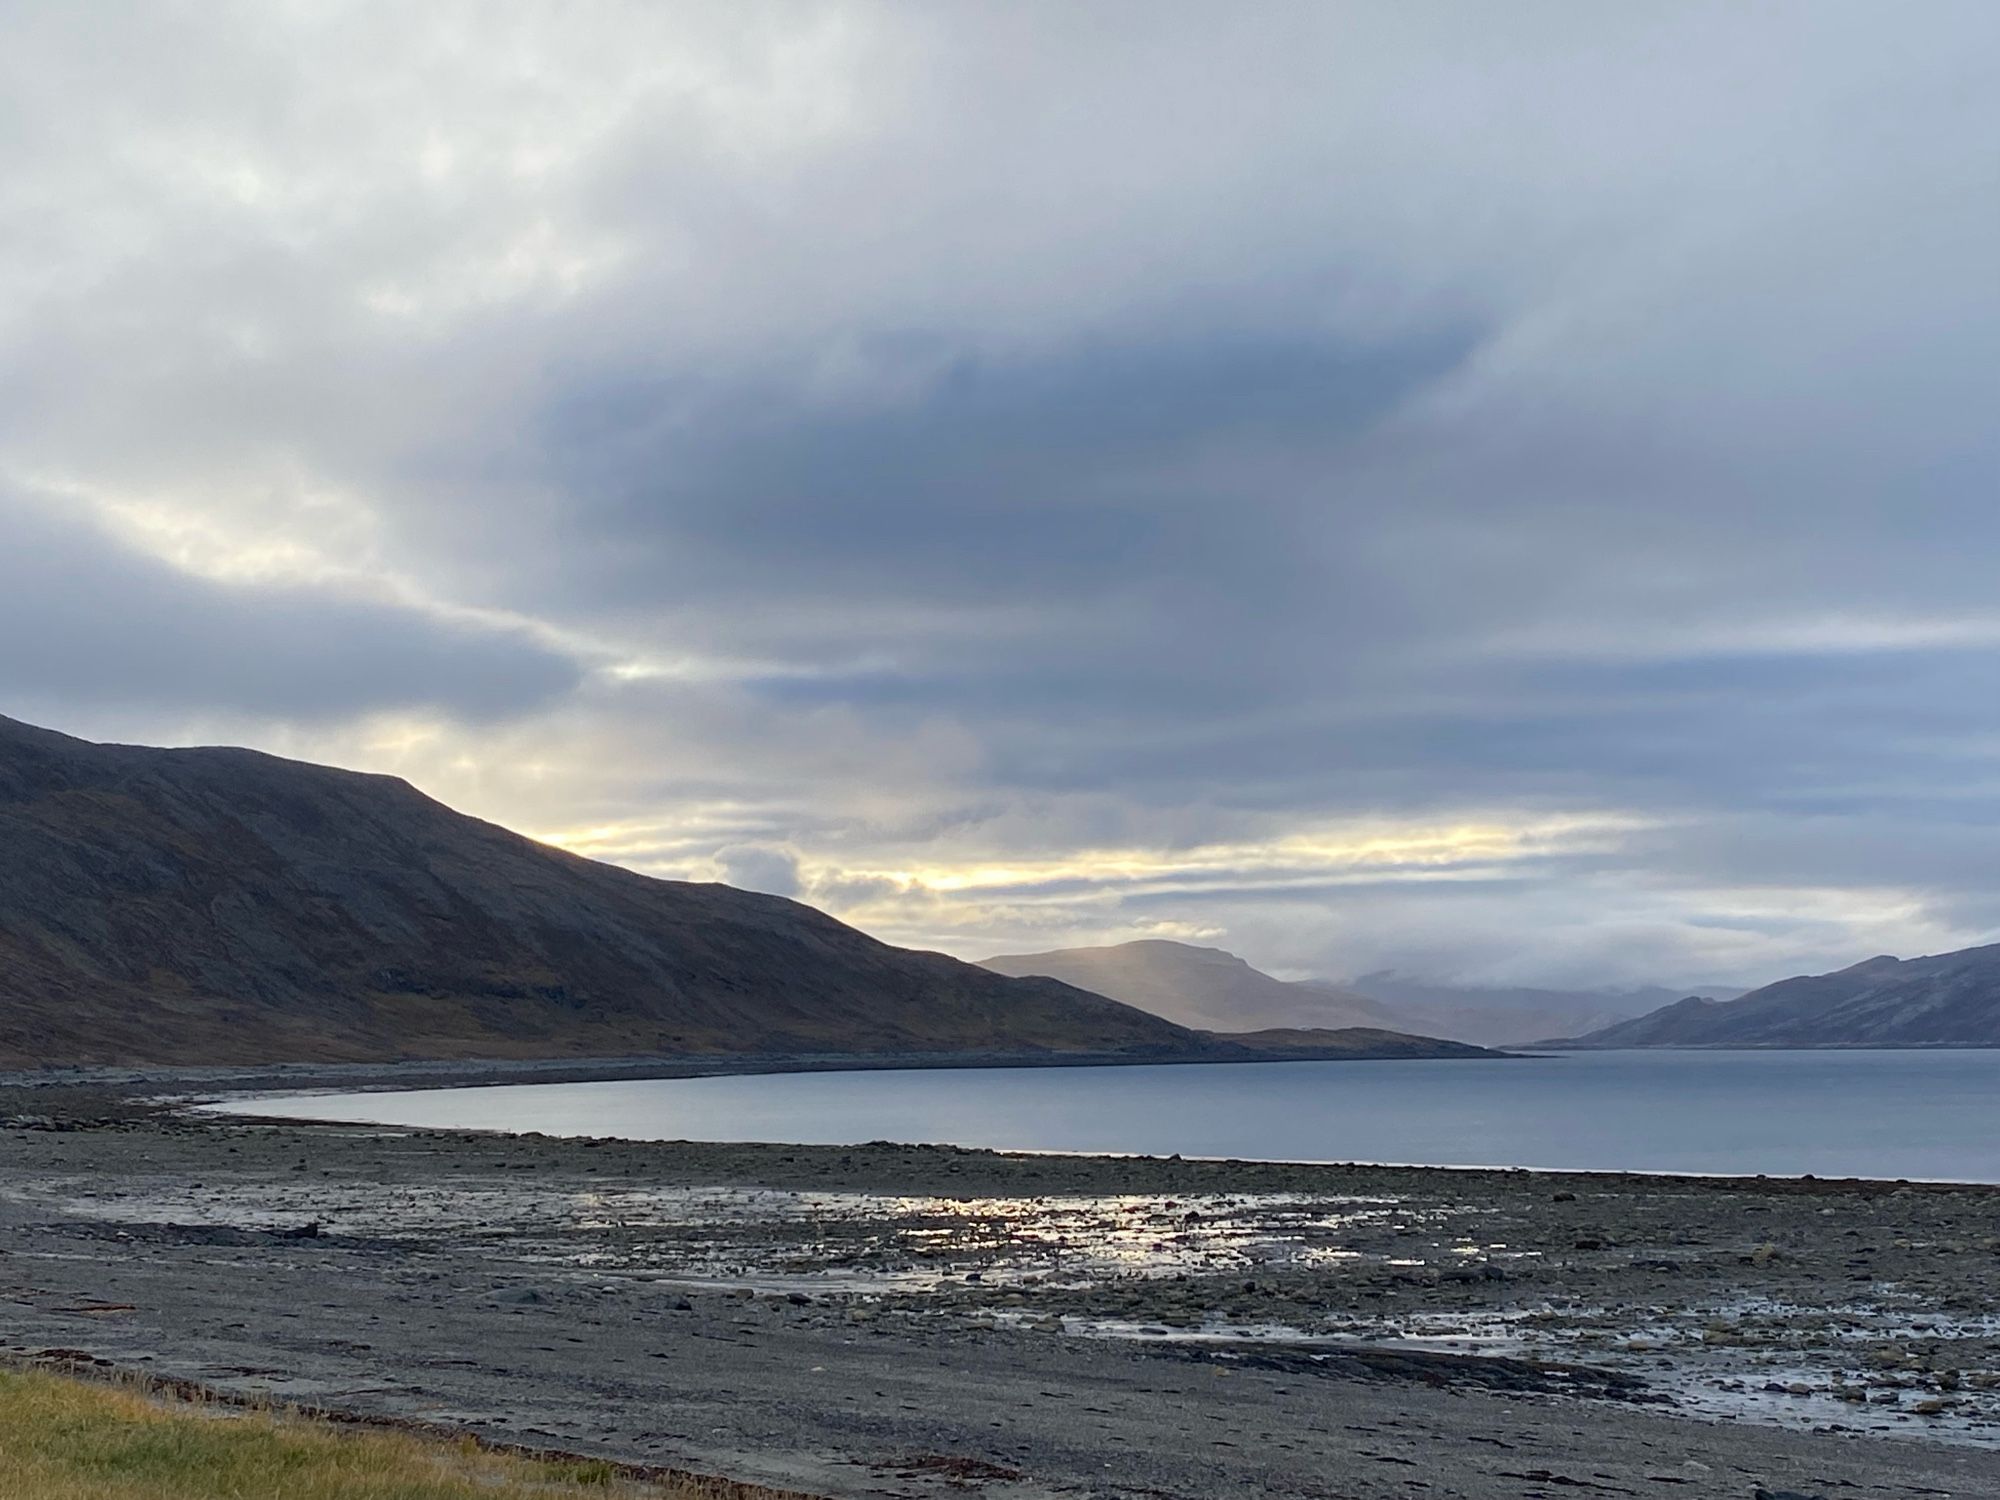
x: 1502, y: 492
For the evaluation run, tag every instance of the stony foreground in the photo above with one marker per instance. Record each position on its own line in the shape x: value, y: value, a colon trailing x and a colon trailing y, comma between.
x: 889, y: 1321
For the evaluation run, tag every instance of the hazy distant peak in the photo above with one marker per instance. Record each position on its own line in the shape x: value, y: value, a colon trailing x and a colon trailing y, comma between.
x: 1210, y: 989
x: 1508, y: 1015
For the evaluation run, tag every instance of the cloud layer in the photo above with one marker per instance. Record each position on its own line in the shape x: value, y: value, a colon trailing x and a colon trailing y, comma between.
x: 1489, y: 496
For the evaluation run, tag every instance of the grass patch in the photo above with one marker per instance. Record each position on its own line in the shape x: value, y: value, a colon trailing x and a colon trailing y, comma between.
x: 67, y: 1439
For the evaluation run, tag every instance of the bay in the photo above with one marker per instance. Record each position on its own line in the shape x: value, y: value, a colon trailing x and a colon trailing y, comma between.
x: 1885, y: 1114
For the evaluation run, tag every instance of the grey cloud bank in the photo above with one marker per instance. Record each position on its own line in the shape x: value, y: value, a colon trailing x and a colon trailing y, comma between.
x: 1005, y: 472
x: 85, y: 620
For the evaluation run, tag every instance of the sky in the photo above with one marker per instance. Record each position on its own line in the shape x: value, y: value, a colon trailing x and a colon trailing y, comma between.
x: 1505, y: 493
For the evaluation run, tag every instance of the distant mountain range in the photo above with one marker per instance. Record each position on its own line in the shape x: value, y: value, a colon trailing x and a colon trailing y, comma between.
x: 1946, y: 1000
x: 223, y: 906
x: 1203, y: 988
x: 1498, y: 1016
x: 1213, y: 990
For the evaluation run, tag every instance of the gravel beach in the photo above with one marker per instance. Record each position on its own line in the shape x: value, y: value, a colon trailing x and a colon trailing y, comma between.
x: 919, y: 1321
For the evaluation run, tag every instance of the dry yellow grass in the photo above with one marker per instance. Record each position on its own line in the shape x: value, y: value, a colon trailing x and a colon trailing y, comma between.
x: 67, y: 1439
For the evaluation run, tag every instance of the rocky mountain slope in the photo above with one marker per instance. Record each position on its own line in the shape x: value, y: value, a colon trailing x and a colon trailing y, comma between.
x: 223, y: 906
x: 1945, y: 1000
x: 1204, y: 988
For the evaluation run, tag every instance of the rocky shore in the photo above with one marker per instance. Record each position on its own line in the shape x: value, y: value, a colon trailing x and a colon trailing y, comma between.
x: 895, y: 1321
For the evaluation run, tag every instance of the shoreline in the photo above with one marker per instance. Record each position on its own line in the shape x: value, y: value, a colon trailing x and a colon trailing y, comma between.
x: 213, y: 1092
x: 1776, y: 1182
x: 234, y: 1096
x: 813, y: 1317
x: 419, y: 1073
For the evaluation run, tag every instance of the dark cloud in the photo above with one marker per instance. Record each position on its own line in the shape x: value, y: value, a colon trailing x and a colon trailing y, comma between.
x: 88, y: 621
x: 990, y: 480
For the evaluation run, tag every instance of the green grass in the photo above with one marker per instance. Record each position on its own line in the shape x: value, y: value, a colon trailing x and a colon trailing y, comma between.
x: 66, y: 1439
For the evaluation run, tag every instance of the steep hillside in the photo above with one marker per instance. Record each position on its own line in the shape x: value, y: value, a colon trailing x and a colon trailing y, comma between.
x: 225, y: 906
x: 1945, y: 1000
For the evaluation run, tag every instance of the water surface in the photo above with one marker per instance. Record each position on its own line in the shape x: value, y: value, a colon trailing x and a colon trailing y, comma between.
x: 1833, y: 1114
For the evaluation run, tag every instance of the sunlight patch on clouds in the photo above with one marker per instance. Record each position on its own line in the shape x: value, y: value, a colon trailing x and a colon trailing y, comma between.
x: 676, y: 846
x: 974, y: 903
x: 1107, y: 895
x: 1371, y: 852
x: 542, y: 262
x: 1374, y: 849
x: 296, y: 529
x: 313, y: 537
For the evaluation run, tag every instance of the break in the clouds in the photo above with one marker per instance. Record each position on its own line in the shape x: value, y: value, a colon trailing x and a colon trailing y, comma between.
x: 1491, y: 494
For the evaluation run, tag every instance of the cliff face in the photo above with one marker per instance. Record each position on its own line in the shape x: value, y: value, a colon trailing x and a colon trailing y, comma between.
x: 218, y: 905
x: 1945, y: 1000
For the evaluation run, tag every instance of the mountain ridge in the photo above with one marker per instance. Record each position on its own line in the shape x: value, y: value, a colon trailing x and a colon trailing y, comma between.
x: 1938, y: 1000
x: 223, y: 905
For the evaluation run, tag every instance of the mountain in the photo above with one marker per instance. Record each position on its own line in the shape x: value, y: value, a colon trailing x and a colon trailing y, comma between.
x: 1203, y: 988
x: 223, y: 906
x: 1946, y: 1000
x: 1496, y: 1016
x: 1209, y: 989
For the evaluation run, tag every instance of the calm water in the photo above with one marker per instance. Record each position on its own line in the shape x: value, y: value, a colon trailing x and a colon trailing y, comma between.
x: 1834, y: 1114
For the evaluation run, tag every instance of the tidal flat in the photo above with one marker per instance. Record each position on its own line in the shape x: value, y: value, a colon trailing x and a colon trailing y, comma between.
x: 913, y: 1321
